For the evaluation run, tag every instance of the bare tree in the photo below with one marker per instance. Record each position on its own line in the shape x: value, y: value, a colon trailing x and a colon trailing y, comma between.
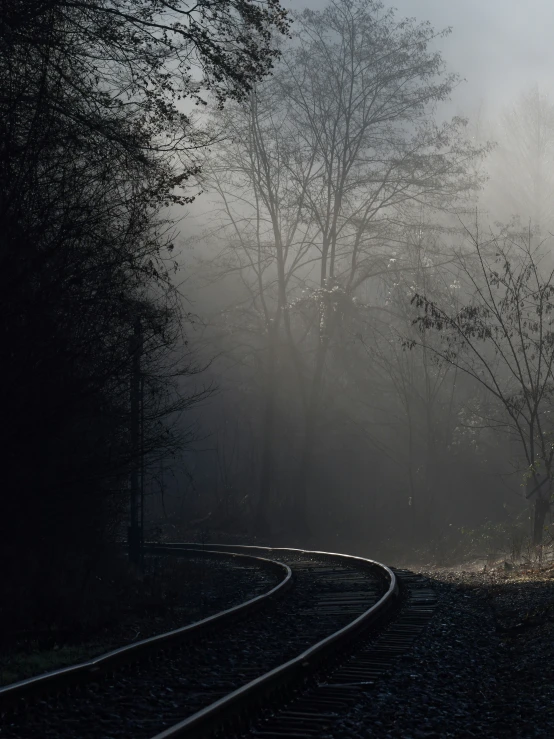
x: 420, y: 403
x: 330, y: 159
x: 503, y: 338
x: 266, y: 243
x: 521, y: 181
x: 363, y: 87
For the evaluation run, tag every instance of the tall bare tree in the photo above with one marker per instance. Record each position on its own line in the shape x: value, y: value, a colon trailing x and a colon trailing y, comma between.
x: 330, y: 159
x: 364, y: 87
x: 503, y: 338
x: 521, y: 179
x: 266, y: 241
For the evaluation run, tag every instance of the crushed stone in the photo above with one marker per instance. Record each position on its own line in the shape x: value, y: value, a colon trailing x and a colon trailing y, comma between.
x: 484, y: 667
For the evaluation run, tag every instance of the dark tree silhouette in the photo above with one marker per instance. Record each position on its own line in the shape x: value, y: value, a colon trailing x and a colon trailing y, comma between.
x: 93, y: 147
x: 503, y: 337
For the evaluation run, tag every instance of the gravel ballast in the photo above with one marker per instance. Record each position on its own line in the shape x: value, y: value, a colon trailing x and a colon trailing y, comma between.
x: 484, y: 667
x: 141, y: 699
x: 176, y: 591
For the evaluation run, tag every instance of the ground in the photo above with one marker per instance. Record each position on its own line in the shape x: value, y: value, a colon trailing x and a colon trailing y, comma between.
x: 483, y: 668
x: 171, y: 593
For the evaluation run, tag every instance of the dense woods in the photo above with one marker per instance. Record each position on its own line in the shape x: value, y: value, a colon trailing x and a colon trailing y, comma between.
x: 363, y: 303
x: 343, y: 203
x: 94, y: 149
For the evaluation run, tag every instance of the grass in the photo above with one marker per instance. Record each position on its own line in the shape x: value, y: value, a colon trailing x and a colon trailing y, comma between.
x: 23, y: 665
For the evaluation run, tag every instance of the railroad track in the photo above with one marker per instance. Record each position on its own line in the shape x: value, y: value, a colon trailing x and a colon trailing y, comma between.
x: 214, y: 676
x: 318, y: 709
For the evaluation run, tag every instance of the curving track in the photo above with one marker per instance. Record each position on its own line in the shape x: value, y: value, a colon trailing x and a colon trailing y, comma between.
x: 198, y: 678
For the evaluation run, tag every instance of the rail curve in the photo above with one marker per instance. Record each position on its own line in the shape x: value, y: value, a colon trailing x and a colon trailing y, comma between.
x: 346, y: 584
x: 68, y: 676
x: 213, y: 717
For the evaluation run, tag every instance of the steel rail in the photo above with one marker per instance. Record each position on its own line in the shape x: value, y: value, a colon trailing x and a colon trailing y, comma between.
x: 231, y: 707
x: 65, y: 676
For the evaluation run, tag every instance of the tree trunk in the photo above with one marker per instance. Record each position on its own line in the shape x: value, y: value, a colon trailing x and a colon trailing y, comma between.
x: 542, y: 507
x: 268, y: 432
x: 300, y: 523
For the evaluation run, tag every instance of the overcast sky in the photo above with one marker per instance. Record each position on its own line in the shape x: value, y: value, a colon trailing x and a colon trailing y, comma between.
x: 499, y: 46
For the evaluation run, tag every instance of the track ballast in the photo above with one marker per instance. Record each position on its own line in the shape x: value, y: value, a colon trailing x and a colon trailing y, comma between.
x: 149, y: 697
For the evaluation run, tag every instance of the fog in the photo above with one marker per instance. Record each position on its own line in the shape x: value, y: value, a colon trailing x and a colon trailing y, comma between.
x: 271, y: 274
x: 364, y: 375
x: 499, y: 48
x: 277, y: 275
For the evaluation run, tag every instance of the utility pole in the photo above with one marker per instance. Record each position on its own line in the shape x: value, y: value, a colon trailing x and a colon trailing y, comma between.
x: 134, y: 534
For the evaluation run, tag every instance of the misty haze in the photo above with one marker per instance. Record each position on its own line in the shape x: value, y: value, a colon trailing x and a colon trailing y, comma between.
x: 278, y: 368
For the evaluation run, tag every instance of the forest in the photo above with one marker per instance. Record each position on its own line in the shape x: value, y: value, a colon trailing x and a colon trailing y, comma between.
x: 262, y: 281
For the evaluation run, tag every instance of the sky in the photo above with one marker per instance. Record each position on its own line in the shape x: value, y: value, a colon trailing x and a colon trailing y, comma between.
x: 501, y: 47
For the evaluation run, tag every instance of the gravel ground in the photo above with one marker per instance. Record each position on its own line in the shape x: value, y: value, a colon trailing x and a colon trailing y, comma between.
x: 177, y: 592
x: 154, y: 695
x: 483, y: 668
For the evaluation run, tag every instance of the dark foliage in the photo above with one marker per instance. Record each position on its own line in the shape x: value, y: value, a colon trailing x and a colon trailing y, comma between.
x: 92, y: 146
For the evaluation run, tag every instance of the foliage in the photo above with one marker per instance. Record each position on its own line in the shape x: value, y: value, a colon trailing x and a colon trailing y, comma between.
x: 93, y: 148
x: 503, y: 338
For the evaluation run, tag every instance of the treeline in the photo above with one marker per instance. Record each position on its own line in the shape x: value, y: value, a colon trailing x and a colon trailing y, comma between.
x: 347, y: 210
x: 338, y: 176
x: 96, y: 153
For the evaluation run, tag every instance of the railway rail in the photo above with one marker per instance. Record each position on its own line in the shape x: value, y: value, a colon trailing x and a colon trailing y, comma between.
x: 214, y: 676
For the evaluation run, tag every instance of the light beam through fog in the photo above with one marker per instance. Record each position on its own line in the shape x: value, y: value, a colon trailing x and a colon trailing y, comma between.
x: 329, y: 392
